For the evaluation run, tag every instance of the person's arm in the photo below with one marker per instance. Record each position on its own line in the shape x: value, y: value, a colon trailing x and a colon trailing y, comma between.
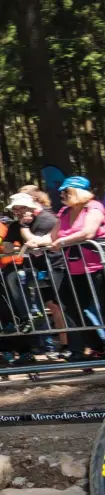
x: 93, y: 220
x: 48, y: 224
x: 8, y: 242
x: 48, y: 239
x: 27, y: 236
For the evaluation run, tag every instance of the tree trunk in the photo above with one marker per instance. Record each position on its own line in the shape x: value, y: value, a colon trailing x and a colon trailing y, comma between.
x: 8, y: 168
x: 39, y: 78
x: 35, y: 158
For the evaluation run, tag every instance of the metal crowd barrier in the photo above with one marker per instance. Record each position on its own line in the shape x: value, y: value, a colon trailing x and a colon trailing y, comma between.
x: 56, y: 369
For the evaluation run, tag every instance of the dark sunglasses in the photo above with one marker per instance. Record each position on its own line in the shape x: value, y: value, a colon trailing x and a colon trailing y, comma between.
x: 65, y: 192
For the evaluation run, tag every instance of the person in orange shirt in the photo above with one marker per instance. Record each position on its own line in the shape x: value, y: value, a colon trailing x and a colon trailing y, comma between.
x: 5, y: 261
x: 22, y: 206
x: 3, y: 231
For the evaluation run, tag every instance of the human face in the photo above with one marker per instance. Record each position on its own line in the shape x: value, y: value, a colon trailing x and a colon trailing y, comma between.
x: 23, y: 214
x: 63, y: 197
x: 28, y: 216
x: 69, y: 197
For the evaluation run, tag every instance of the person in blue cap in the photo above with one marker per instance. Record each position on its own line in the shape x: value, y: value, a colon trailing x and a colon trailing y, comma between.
x: 82, y: 219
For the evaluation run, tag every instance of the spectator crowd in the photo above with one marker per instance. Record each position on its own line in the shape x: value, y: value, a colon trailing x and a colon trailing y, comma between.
x: 32, y: 227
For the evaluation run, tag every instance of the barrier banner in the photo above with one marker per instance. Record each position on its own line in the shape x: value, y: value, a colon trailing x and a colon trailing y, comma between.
x: 69, y: 417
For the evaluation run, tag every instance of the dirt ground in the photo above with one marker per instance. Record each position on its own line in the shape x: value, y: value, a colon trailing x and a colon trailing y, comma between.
x: 26, y: 444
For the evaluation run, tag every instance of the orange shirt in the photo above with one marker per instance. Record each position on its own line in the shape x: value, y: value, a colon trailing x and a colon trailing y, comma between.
x: 8, y: 259
x: 3, y: 230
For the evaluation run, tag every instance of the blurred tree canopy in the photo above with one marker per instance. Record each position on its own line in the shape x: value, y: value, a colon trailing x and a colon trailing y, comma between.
x: 52, y: 89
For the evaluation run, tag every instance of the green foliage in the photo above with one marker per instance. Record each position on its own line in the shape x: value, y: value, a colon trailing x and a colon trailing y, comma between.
x: 12, y: 92
x: 16, y: 154
x: 68, y: 4
x: 75, y: 48
x: 77, y: 54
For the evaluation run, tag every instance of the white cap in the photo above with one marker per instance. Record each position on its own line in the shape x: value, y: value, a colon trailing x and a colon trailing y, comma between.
x: 21, y: 199
x: 20, y: 195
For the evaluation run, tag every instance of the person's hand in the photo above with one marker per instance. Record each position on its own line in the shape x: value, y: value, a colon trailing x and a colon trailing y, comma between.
x: 32, y: 243
x: 43, y: 245
x: 56, y: 245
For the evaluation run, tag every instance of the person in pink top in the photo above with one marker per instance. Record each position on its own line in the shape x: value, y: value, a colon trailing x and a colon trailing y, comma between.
x: 82, y: 219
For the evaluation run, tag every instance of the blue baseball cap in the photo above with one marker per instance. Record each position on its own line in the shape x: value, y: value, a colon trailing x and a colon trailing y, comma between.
x: 76, y: 182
